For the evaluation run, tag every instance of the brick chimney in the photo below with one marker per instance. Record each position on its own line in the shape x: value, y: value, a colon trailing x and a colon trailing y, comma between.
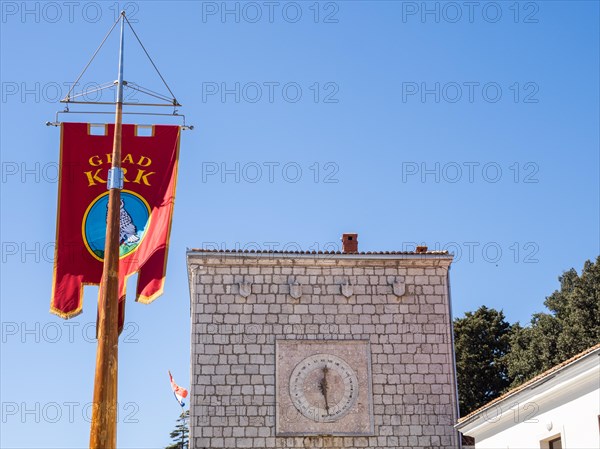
x: 350, y: 243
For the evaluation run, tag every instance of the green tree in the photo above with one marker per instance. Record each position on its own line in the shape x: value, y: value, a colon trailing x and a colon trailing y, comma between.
x: 482, y: 340
x: 571, y: 326
x: 577, y: 307
x: 533, y: 348
x: 180, y: 435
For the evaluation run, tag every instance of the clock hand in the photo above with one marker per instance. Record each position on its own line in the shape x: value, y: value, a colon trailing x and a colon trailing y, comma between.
x: 324, y: 386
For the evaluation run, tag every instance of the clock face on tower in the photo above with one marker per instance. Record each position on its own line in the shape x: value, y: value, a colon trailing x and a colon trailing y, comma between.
x: 323, y: 387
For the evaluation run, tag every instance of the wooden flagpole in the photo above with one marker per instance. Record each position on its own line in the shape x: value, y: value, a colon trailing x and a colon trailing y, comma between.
x: 103, y: 433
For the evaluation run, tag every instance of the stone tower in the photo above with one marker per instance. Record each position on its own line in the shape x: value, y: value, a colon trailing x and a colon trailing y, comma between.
x: 321, y: 350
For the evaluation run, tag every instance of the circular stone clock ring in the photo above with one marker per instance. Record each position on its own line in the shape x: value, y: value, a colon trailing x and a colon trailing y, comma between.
x: 323, y: 387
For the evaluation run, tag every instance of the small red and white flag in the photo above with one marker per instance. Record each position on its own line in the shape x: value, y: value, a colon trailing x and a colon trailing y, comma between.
x: 179, y: 392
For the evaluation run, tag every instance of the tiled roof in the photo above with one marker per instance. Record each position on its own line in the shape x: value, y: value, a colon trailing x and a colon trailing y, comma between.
x: 530, y: 382
x: 361, y: 253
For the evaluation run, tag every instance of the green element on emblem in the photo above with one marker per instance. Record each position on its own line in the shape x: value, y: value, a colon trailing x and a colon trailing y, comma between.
x: 134, y: 218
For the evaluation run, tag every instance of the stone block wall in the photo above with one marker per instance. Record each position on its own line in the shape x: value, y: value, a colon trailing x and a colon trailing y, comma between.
x: 241, y: 304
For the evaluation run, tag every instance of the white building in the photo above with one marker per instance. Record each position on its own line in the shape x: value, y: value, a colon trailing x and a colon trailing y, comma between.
x: 559, y: 408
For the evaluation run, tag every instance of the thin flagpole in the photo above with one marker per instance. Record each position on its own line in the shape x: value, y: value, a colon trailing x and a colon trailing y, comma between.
x: 103, y: 433
x: 182, y: 430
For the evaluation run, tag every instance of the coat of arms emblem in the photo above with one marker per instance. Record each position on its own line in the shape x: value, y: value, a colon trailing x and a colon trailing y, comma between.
x: 245, y: 289
x: 347, y: 289
x: 295, y: 290
x: 398, y: 287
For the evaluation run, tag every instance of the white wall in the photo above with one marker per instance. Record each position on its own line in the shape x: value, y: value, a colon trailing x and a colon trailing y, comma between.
x: 575, y: 421
x: 562, y: 403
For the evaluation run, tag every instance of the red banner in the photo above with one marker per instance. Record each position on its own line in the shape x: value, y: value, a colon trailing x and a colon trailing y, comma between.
x: 149, y: 163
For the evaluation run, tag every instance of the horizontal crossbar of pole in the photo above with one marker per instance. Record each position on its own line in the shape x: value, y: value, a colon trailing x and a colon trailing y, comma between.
x: 182, y: 116
x: 124, y: 104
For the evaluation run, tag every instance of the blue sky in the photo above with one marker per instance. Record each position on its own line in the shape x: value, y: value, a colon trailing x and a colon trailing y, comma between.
x: 469, y: 130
